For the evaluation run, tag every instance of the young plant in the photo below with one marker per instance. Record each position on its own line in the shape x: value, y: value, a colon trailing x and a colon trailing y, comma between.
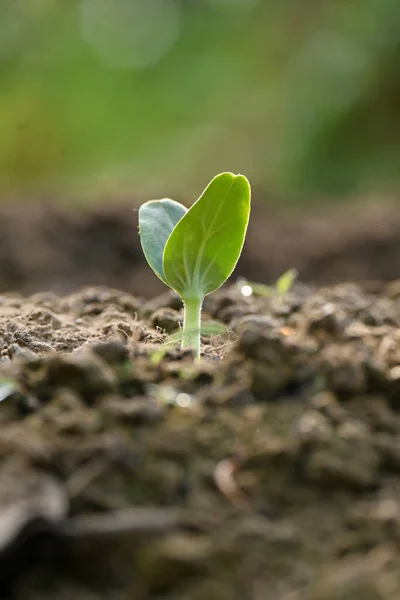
x: 195, y: 251
x: 282, y: 286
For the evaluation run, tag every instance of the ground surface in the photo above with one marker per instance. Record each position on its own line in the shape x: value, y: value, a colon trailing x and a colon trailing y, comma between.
x: 59, y: 249
x: 269, y: 471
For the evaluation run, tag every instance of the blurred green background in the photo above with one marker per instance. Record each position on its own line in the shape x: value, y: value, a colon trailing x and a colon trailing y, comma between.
x: 109, y: 96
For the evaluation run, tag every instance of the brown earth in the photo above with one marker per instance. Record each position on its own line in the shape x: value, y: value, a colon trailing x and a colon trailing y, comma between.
x: 50, y: 247
x: 268, y: 471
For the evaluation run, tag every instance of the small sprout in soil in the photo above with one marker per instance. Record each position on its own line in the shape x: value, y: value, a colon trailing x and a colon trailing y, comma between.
x: 195, y: 251
x: 285, y: 282
x: 209, y: 328
x: 282, y: 286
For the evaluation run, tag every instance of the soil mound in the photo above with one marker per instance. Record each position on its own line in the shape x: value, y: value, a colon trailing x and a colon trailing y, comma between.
x: 270, y: 470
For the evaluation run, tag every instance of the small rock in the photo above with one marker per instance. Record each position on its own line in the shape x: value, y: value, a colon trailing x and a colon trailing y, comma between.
x: 167, y: 319
x: 343, y: 462
x: 166, y: 561
x: 85, y: 373
x: 112, y: 351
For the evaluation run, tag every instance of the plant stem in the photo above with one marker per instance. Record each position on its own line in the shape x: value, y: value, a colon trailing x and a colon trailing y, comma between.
x: 191, y: 324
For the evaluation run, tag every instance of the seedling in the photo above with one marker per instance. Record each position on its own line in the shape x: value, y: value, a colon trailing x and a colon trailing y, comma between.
x: 282, y: 286
x: 195, y: 251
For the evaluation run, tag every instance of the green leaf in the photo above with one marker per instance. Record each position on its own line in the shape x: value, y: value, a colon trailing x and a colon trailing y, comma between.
x: 206, y: 243
x: 213, y: 328
x: 157, y: 218
x: 207, y: 328
x: 260, y: 289
x: 285, y: 282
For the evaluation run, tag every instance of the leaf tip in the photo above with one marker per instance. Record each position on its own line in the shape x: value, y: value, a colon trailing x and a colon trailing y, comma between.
x: 229, y: 177
x: 237, y: 179
x: 243, y: 181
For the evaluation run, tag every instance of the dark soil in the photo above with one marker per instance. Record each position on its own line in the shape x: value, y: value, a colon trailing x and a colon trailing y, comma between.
x: 50, y: 247
x: 269, y: 471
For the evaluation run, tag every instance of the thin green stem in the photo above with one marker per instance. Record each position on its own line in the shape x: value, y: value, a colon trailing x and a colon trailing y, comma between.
x: 191, y: 324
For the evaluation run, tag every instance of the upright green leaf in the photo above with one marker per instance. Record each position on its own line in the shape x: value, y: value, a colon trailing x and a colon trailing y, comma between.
x: 206, y: 243
x: 285, y: 282
x: 157, y: 218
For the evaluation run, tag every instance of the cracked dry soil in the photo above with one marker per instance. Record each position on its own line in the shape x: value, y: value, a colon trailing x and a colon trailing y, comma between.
x: 269, y: 471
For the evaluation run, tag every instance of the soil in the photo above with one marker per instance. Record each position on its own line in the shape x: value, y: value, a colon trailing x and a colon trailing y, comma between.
x: 52, y: 247
x: 270, y: 470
